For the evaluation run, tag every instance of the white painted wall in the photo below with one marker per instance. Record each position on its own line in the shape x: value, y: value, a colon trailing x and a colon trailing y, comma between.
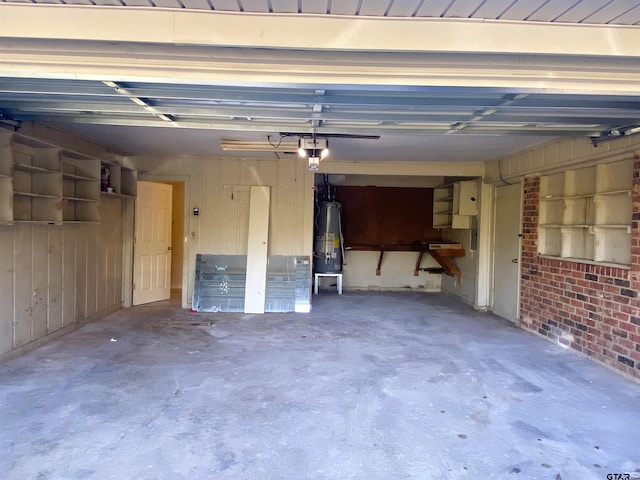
x: 396, y: 271
x: 468, y: 265
x: 220, y: 188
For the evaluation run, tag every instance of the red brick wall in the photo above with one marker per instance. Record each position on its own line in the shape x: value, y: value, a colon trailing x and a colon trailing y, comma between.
x: 593, y: 309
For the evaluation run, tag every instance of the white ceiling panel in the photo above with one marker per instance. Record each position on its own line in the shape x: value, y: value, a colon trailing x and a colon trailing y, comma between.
x: 196, y: 4
x: 523, y: 9
x: 226, y: 5
x: 376, y: 8
x: 344, y: 7
x: 404, y: 8
x: 615, y: 12
x: 630, y: 18
x: 552, y: 9
x: 137, y: 3
x: 435, y: 8
x: 167, y: 3
x: 463, y: 8
x: 260, y: 6
x: 581, y: 11
x: 624, y: 12
x: 314, y: 6
x: 493, y: 9
x: 116, y: 3
x: 285, y: 6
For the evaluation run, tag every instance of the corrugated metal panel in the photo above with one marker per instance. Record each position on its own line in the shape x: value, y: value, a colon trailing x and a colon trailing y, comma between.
x: 220, y: 283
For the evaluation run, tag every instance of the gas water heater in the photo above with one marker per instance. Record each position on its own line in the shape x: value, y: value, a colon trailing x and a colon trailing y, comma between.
x: 327, y: 248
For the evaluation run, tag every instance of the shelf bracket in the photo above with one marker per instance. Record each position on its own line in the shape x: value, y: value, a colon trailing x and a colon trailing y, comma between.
x: 416, y: 270
x: 379, y: 263
x: 450, y: 268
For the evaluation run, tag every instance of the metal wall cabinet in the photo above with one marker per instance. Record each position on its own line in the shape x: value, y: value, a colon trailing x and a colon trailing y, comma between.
x: 585, y: 214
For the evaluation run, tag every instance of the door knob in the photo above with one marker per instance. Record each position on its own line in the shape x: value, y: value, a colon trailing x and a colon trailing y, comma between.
x: 514, y: 260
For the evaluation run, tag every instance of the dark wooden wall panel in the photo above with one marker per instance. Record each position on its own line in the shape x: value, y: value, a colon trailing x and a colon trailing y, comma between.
x: 389, y: 216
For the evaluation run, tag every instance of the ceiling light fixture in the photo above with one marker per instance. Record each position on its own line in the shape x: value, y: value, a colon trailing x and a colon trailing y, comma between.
x: 315, y: 149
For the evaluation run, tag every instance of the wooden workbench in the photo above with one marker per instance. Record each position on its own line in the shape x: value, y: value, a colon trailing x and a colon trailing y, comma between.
x: 440, y: 255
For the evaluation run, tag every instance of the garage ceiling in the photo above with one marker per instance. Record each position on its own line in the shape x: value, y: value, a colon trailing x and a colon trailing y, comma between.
x: 418, y: 116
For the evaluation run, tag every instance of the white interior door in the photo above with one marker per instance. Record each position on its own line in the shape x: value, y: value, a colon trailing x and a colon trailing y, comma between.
x: 152, y: 243
x: 506, y: 267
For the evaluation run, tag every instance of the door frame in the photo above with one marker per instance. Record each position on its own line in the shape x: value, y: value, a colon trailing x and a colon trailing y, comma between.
x: 186, y: 226
x: 516, y: 320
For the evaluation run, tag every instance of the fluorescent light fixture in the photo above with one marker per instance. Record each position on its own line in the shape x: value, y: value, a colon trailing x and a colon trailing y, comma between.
x: 258, y: 146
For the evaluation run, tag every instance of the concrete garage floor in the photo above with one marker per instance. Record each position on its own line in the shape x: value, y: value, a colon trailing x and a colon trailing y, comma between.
x: 367, y: 386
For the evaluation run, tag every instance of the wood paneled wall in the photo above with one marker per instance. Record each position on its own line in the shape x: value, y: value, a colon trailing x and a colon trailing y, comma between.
x: 220, y: 189
x: 55, y: 277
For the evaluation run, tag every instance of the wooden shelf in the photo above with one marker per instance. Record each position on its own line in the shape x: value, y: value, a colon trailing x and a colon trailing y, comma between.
x: 614, y: 192
x: 454, y: 204
x: 586, y: 213
x: 70, y: 176
x: 23, y: 167
x: 47, y: 184
x: 35, y: 195
x: 75, y: 199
